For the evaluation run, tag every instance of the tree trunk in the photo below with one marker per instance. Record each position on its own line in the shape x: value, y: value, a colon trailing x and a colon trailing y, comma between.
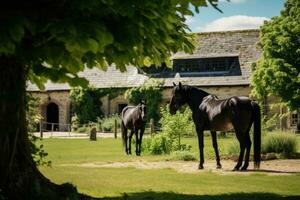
x: 19, y: 176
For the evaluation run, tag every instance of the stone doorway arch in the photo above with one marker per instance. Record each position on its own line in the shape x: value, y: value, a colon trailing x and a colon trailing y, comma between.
x: 52, y: 116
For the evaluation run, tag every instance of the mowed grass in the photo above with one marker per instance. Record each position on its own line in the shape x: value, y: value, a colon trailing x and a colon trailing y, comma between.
x: 132, y: 183
x: 111, y: 150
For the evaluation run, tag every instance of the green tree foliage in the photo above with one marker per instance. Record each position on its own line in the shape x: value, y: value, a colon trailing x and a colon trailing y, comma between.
x: 55, y: 40
x: 277, y: 72
x: 150, y: 91
x: 33, y: 118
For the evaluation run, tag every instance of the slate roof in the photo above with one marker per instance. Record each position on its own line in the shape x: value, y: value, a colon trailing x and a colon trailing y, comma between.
x: 241, y: 43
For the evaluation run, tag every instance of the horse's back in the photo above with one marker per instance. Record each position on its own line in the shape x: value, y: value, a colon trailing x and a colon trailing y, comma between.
x: 222, y: 114
x: 126, y: 116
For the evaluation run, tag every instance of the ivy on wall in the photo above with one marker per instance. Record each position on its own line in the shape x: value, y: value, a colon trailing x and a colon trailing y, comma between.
x: 86, y: 102
x: 150, y: 92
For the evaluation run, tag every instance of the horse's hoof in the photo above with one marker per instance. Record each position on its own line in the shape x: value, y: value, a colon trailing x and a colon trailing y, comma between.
x: 219, y: 166
x: 244, y: 169
x: 235, y: 169
x: 200, y: 167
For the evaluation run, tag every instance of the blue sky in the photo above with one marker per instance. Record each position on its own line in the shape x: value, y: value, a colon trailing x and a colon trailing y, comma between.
x: 237, y: 14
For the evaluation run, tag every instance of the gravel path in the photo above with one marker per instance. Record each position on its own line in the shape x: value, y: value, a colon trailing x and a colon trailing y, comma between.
x: 270, y: 167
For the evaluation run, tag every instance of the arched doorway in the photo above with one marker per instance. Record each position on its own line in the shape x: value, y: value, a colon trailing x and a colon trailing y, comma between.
x: 52, y: 115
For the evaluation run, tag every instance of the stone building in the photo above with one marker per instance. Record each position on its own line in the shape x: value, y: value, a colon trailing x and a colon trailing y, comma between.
x: 220, y: 64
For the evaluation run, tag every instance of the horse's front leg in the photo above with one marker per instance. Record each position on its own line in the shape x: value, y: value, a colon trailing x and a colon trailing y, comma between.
x: 125, y: 139
x: 137, y: 142
x: 215, y: 145
x: 140, y: 140
x: 130, y: 137
x: 201, y: 146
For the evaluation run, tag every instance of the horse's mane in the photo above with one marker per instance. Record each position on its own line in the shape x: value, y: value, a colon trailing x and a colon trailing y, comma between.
x: 195, y: 90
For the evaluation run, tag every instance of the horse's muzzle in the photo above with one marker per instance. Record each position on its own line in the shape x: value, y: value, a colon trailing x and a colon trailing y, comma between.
x: 172, y: 112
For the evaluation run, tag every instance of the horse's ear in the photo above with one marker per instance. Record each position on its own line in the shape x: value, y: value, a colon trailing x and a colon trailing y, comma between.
x: 142, y: 101
x: 180, y: 85
x: 174, y: 84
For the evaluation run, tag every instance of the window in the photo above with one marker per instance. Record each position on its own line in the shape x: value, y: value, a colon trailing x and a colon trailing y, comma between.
x: 294, y: 118
x: 203, y: 67
x: 198, y: 67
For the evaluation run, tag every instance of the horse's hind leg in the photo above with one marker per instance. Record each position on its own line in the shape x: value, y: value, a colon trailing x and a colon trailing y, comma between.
x: 248, y: 147
x: 215, y: 145
x: 241, y: 139
x: 130, y: 137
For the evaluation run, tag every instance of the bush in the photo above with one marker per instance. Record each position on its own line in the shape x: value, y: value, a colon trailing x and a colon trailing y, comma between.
x: 83, y: 129
x: 282, y: 143
x: 108, y: 123
x: 176, y: 126
x: 273, y: 142
x: 269, y: 123
x: 159, y: 144
x: 86, y: 103
x: 185, y: 155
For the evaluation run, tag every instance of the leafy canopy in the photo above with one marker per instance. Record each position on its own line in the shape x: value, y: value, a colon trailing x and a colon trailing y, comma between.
x: 277, y: 72
x: 57, y: 39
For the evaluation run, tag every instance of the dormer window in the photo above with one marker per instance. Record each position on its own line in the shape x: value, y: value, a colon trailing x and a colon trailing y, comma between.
x: 198, y: 67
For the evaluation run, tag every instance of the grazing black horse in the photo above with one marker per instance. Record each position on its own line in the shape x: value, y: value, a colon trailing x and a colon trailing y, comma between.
x: 211, y: 113
x: 133, y: 118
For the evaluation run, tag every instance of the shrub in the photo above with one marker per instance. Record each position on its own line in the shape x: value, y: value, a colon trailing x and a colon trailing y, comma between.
x: 185, y: 155
x: 269, y: 123
x: 282, y: 143
x: 86, y: 103
x: 108, y: 123
x: 176, y: 126
x: 83, y: 129
x: 159, y: 144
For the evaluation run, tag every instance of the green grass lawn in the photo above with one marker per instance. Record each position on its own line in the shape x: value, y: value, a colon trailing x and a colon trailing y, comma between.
x: 131, y: 183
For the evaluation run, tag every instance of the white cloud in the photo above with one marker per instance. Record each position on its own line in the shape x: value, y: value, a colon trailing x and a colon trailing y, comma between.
x: 235, y: 22
x: 233, y: 1
x: 189, y: 19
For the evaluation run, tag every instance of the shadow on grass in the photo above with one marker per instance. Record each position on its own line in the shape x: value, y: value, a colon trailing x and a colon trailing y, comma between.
x: 174, y: 196
x: 264, y: 171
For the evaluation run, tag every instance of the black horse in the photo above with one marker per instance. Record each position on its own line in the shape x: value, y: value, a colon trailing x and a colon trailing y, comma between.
x: 133, y: 118
x: 211, y: 113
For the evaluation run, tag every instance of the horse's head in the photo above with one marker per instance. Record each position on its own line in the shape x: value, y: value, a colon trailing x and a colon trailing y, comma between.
x: 143, y: 110
x: 178, y: 98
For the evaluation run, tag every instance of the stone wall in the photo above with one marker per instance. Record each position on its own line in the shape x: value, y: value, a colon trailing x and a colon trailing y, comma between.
x: 61, y: 99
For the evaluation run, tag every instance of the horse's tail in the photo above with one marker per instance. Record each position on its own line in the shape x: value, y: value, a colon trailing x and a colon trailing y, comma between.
x: 257, y: 133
